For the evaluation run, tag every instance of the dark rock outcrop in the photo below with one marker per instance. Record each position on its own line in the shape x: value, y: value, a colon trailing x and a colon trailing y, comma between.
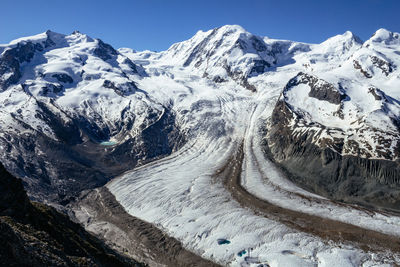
x: 357, y: 66
x: 259, y: 67
x: 160, y: 139
x: 62, y: 77
x: 33, y: 234
x: 51, y: 89
x: 122, y: 90
x: 385, y: 66
x: 60, y: 153
x: 12, y: 58
x: 240, y: 79
x: 320, y: 89
x: 104, y: 51
x: 10, y: 62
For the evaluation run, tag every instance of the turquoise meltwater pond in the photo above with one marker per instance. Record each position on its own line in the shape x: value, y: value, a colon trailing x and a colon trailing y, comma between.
x: 108, y: 143
x: 222, y: 241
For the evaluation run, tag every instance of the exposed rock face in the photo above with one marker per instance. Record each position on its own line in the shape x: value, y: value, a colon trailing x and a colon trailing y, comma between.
x: 359, y: 67
x: 13, y: 199
x: 385, y: 66
x: 33, y: 234
x: 104, y: 51
x: 122, y: 89
x: 317, y: 156
x: 82, y: 162
x: 62, y: 77
x: 320, y: 89
x: 11, y: 60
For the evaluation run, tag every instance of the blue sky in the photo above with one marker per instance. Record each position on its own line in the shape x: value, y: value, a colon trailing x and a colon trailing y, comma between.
x: 156, y: 24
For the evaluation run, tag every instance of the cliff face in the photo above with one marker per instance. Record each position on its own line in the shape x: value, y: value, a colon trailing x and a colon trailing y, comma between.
x: 33, y: 234
x: 326, y: 159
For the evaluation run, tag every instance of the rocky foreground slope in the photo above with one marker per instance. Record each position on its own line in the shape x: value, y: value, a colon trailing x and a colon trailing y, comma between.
x: 33, y: 234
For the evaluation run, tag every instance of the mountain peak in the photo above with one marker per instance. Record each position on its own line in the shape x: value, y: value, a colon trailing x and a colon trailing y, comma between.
x: 383, y: 33
x: 385, y: 36
x: 48, y: 38
x: 351, y: 35
x: 346, y: 37
x: 339, y: 45
x: 232, y: 28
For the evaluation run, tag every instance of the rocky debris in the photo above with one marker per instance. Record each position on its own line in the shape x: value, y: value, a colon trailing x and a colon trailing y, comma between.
x: 357, y: 66
x: 80, y: 138
x: 239, y: 78
x: 368, y: 240
x: 385, y: 66
x: 33, y: 234
x: 122, y: 89
x: 218, y: 79
x: 100, y: 213
x: 378, y: 94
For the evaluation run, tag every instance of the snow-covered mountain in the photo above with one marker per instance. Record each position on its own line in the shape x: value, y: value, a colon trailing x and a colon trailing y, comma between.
x: 75, y: 113
x: 336, y: 126
x: 229, y: 52
x: 64, y: 98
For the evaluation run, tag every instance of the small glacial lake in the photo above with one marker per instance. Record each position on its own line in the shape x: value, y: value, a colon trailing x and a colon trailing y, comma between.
x: 108, y: 143
x: 223, y: 241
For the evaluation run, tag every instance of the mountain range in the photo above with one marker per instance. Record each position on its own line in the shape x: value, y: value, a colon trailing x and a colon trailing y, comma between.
x: 164, y: 132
